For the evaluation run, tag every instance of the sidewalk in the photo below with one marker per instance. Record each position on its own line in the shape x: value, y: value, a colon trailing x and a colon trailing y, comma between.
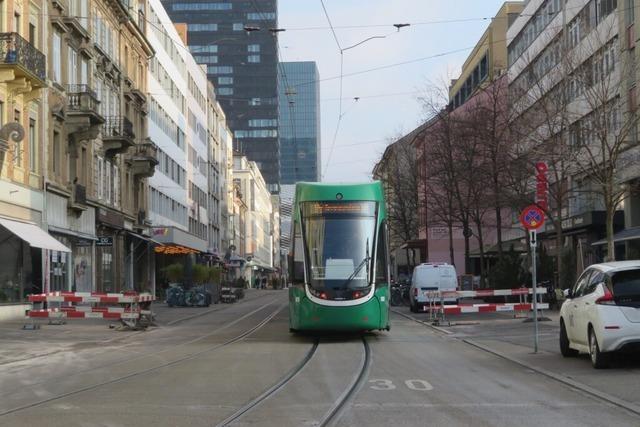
x: 512, y: 339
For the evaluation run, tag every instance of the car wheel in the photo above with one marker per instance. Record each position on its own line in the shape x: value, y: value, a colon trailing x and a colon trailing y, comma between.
x: 564, y: 342
x: 599, y: 360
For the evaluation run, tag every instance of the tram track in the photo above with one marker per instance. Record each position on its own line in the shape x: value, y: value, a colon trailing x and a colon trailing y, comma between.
x: 143, y: 356
x: 181, y: 359
x: 334, y: 413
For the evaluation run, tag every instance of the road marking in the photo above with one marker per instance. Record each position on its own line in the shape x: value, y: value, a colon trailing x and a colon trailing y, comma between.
x: 382, y: 384
x: 418, y: 385
x: 403, y: 405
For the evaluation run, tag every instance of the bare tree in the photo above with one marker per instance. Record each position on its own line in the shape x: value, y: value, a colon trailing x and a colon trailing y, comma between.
x: 397, y: 169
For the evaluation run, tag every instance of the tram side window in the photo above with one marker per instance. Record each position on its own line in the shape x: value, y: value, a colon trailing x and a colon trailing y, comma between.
x: 382, y: 268
x: 298, y: 256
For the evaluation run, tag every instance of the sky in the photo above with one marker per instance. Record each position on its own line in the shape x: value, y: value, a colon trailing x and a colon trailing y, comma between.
x: 388, y: 104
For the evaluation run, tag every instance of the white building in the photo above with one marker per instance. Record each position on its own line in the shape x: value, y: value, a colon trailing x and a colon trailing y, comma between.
x: 178, y: 127
x: 258, y: 228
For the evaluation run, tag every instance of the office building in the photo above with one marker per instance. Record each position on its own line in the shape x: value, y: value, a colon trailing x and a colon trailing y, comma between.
x: 233, y: 40
x: 299, y: 125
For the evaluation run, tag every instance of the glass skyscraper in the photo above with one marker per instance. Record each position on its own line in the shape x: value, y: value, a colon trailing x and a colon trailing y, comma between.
x: 299, y: 125
x: 233, y: 39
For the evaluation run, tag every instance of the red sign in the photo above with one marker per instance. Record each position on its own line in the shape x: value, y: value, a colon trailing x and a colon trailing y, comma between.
x: 532, y: 217
x: 542, y: 185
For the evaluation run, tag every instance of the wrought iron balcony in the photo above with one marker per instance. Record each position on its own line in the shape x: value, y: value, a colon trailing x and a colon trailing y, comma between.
x: 23, y: 58
x: 83, y: 101
x: 117, y: 134
x: 145, y: 159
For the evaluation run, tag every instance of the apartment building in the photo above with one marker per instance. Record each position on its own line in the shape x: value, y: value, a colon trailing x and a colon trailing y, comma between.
x: 564, y: 63
x: 23, y: 68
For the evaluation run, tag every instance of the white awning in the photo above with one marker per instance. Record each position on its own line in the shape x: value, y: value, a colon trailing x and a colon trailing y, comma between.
x: 33, y: 235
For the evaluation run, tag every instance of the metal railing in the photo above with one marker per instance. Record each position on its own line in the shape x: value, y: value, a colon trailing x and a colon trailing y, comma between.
x: 79, y: 194
x: 14, y: 49
x: 117, y: 127
x: 82, y: 98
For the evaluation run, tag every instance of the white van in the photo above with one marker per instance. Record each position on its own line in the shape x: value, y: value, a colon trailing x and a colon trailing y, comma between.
x: 432, y: 276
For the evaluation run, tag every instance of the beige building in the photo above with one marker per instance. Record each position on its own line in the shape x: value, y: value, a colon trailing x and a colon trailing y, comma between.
x: 23, y: 77
x: 488, y: 60
x: 258, y: 242
x: 98, y: 154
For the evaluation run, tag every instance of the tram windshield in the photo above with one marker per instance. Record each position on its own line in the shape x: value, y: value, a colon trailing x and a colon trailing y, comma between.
x: 339, y: 243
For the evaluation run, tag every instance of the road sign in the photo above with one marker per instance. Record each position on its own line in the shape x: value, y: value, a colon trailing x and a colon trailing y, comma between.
x: 532, y: 217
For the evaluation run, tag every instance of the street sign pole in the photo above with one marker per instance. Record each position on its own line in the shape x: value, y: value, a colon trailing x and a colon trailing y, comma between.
x: 533, y: 243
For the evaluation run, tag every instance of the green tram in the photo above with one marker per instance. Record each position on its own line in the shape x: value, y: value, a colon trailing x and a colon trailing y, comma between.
x: 339, y: 258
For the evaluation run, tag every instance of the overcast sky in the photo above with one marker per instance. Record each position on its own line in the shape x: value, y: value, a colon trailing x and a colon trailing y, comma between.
x: 388, y: 104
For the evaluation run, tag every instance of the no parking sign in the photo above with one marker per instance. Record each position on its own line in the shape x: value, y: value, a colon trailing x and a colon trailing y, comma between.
x: 532, y: 217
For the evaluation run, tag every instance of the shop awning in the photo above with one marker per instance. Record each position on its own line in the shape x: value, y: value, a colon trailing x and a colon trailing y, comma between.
x: 631, y: 233
x: 145, y: 238
x: 33, y: 235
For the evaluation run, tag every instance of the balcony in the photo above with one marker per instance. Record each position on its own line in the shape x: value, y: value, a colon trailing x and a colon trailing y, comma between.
x: 144, y: 159
x: 82, y: 105
x: 78, y: 201
x: 21, y: 64
x: 117, y: 135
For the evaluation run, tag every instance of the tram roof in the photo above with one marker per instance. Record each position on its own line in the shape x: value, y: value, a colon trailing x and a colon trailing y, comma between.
x: 316, y: 191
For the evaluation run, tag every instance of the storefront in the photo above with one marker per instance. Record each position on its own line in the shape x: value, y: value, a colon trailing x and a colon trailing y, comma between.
x: 75, y: 229
x: 21, y: 259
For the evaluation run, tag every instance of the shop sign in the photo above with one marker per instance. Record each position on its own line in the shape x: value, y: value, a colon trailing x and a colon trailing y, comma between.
x: 105, y: 241
x: 542, y: 186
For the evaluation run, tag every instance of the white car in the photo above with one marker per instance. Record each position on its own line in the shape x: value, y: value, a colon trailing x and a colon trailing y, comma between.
x: 429, y: 278
x: 602, y: 312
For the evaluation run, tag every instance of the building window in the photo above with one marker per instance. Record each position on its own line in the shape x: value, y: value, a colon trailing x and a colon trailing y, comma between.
x: 17, y: 153
x: 253, y: 59
x: 55, y: 164
x: 238, y: 26
x: 201, y: 6
x: 202, y: 27
x: 224, y: 91
x: 265, y: 16
x: 57, y: 52
x: 33, y: 147
x: 212, y: 48
x: 254, y: 48
x: 225, y: 80
x: 219, y: 70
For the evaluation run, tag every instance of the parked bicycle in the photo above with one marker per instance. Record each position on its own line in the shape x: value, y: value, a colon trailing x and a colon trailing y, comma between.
x: 400, y: 294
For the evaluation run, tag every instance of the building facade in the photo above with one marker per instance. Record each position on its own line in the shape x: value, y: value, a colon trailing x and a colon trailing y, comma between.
x: 561, y: 57
x: 233, y: 40
x: 299, y: 124
x: 23, y: 72
x: 99, y: 157
x: 258, y: 237
x: 179, y: 127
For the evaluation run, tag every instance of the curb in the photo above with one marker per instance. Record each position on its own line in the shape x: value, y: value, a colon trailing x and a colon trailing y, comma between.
x: 635, y: 409
x: 435, y: 328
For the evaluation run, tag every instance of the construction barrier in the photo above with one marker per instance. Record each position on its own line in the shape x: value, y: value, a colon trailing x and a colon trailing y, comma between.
x: 437, y: 310
x: 480, y: 293
x: 131, y: 308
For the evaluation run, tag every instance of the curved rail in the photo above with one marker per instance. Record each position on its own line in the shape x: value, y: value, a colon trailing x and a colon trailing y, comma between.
x: 334, y: 414
x: 273, y: 389
x: 148, y: 370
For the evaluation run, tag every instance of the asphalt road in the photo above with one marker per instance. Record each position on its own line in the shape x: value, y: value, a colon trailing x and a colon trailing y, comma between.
x: 239, y: 365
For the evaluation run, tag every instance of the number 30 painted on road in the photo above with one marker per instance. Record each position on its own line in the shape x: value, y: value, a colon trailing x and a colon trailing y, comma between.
x: 416, y: 385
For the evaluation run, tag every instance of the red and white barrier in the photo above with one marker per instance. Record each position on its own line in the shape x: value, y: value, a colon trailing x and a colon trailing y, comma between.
x: 92, y: 297
x: 479, y: 293
x: 83, y: 313
x: 484, y: 308
x: 130, y: 308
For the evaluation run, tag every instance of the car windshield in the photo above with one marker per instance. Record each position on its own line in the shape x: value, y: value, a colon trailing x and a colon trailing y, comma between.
x: 339, y: 238
x: 626, y: 287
